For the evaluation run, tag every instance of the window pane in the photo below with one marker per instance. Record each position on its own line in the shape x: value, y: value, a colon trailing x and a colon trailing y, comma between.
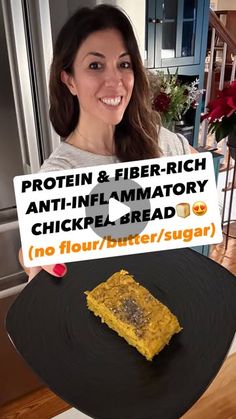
x: 168, y: 40
x: 188, y: 39
x: 169, y: 9
x: 190, y: 7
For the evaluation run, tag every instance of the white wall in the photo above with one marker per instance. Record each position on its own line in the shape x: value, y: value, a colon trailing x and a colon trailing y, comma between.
x: 213, y: 4
x: 226, y: 5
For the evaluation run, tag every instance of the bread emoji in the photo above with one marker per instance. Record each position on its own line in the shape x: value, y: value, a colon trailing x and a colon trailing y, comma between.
x: 183, y: 210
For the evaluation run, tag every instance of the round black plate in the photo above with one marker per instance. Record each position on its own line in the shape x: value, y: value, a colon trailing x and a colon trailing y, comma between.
x: 96, y: 371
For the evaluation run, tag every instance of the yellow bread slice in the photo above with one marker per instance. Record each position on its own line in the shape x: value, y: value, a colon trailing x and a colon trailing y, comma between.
x: 130, y: 310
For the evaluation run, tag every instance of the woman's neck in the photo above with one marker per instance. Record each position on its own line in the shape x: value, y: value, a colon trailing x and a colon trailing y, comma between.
x: 98, y: 140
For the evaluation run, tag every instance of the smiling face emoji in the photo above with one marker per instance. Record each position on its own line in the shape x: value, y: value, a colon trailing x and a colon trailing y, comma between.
x: 199, y: 208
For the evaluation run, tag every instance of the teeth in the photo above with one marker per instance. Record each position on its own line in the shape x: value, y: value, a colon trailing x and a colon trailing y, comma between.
x: 113, y: 102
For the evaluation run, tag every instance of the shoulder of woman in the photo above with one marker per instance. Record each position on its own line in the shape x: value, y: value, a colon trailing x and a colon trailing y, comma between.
x: 172, y: 143
x: 60, y: 159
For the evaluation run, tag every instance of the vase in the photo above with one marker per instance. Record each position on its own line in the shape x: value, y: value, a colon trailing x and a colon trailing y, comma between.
x: 179, y: 124
x: 170, y: 125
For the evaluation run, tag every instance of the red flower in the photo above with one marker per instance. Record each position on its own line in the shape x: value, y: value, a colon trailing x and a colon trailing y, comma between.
x: 222, y: 113
x: 224, y: 105
x: 161, y: 102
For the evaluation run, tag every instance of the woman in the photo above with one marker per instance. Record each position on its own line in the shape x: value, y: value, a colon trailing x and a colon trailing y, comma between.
x: 99, y: 98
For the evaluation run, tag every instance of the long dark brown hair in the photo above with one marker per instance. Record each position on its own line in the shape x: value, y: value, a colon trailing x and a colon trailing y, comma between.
x: 136, y: 136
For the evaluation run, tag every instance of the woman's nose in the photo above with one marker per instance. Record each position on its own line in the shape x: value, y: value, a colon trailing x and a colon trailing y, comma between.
x: 113, y: 77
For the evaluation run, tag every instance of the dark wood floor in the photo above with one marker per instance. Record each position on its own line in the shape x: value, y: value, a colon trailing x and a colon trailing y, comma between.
x: 218, y: 402
x: 226, y: 258
x: 41, y: 404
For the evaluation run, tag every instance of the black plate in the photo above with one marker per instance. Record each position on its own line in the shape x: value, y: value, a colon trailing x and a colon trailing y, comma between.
x: 95, y: 370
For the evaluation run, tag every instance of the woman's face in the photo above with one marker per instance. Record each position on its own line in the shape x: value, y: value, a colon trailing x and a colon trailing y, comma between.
x: 103, y: 77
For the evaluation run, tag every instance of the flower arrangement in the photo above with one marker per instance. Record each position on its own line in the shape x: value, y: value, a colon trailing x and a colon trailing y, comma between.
x: 170, y: 97
x: 221, y: 114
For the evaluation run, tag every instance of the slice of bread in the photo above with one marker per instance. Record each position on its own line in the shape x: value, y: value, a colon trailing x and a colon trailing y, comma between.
x: 130, y: 310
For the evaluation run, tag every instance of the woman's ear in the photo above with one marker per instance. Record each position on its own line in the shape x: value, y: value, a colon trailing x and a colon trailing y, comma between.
x: 68, y: 80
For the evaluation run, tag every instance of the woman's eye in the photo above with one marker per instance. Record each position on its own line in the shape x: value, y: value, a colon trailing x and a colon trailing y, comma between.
x: 126, y: 64
x: 95, y: 66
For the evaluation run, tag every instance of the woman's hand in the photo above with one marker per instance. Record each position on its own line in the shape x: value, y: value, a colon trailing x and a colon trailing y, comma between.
x: 57, y: 270
x: 192, y: 150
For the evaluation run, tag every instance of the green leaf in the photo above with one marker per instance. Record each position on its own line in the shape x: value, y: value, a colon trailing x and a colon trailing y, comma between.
x: 221, y: 132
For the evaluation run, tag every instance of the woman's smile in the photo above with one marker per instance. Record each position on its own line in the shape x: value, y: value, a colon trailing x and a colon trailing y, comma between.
x: 112, y: 101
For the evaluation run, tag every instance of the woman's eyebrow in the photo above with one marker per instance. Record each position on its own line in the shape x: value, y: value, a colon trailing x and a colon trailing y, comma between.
x: 124, y: 54
x: 98, y: 54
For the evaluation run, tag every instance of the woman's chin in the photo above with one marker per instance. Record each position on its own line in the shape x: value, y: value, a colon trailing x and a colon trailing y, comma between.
x: 114, y: 119
x: 108, y: 118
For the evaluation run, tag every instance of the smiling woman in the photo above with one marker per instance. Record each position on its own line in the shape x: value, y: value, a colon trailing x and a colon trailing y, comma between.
x: 99, y: 89
x: 100, y: 98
